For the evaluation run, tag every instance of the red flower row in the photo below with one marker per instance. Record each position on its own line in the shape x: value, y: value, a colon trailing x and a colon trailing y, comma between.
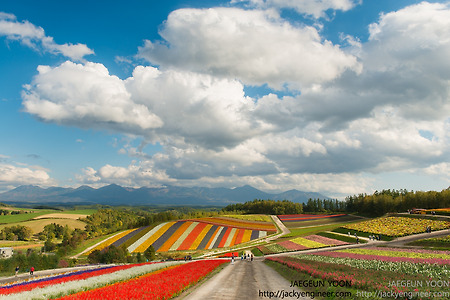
x: 162, y: 284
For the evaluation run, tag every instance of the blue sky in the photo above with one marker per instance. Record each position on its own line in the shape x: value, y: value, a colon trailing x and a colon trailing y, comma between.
x: 340, y: 97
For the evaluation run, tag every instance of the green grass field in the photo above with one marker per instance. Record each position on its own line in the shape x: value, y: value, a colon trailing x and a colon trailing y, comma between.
x: 312, y: 230
x: 8, y: 219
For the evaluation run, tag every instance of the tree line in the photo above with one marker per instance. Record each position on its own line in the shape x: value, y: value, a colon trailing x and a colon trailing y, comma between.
x: 385, y: 201
x: 270, y: 207
x: 376, y: 204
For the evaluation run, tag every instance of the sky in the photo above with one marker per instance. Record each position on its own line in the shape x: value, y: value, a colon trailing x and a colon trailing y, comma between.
x: 339, y: 97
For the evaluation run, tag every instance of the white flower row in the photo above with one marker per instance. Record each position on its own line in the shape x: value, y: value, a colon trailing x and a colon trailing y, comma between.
x: 71, y: 287
x: 403, y: 267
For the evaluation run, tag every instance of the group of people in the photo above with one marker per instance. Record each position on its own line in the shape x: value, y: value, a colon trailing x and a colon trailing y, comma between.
x: 243, y: 256
x: 375, y: 237
x: 31, y: 270
x: 371, y: 237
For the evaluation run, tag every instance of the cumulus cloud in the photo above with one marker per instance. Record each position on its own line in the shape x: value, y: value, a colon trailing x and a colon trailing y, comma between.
x: 136, y: 174
x: 346, y: 121
x: 34, y: 37
x: 184, y: 107
x: 86, y: 96
x: 315, y: 8
x: 257, y: 47
x: 12, y: 174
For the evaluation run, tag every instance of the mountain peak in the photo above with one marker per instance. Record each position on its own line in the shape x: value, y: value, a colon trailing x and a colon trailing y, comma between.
x: 114, y: 194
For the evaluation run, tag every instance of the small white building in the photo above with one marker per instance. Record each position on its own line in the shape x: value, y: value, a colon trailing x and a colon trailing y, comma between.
x: 6, y: 252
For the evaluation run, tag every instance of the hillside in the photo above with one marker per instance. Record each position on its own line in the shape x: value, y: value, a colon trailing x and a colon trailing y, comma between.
x: 170, y: 195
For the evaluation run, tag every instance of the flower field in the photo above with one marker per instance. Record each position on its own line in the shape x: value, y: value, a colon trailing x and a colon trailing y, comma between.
x: 239, y: 223
x: 304, y: 217
x: 196, y: 234
x: 377, y: 269
x: 136, y: 281
x: 162, y: 284
x: 397, y: 226
x: 300, y: 243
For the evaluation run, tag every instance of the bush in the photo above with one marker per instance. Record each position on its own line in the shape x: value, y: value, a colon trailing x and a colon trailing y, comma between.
x: 109, y: 255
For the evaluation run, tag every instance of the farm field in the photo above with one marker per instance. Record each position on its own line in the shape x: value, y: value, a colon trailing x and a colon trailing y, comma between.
x: 304, y: 220
x: 143, y: 281
x: 38, y: 225
x: 8, y: 219
x: 194, y: 234
x: 433, y: 243
x: 61, y: 216
x: 397, y: 226
x: 386, y: 271
x: 368, y: 269
x: 260, y: 218
x: 20, y: 244
x: 300, y: 243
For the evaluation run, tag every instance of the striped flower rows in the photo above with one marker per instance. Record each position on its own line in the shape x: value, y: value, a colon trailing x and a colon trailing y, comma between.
x: 432, y: 267
x: 60, y: 286
x: 444, y: 256
x: 40, y: 282
x: 115, y: 239
x: 239, y: 223
x: 184, y: 235
x: 301, y: 243
x: 162, y: 284
x: 391, y: 278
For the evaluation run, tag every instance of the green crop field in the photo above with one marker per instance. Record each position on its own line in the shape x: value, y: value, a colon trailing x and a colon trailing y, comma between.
x: 8, y: 219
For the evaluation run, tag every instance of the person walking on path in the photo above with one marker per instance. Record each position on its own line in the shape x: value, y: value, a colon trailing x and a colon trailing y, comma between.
x: 17, y: 270
x: 31, y: 270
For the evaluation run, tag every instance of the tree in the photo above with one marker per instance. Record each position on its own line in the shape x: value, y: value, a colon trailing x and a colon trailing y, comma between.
x: 149, y: 253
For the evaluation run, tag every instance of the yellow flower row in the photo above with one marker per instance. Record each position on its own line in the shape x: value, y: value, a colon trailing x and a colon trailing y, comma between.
x: 397, y: 226
x: 109, y: 241
x: 307, y: 243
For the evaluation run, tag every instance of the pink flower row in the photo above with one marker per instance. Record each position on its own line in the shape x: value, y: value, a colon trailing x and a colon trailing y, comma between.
x: 292, y: 246
x: 324, y: 240
x: 438, y: 261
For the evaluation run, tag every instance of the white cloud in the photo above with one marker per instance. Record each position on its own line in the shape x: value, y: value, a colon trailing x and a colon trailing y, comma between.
x: 343, y: 123
x: 85, y: 96
x: 257, y: 47
x: 183, y: 107
x: 135, y: 175
x: 34, y: 36
x: 315, y: 8
x: 440, y: 169
x: 13, y: 174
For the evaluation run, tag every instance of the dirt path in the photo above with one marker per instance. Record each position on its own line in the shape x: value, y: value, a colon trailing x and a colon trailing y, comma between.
x: 283, y: 228
x: 242, y: 280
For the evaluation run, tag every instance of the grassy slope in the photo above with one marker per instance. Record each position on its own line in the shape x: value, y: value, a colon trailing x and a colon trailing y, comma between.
x: 38, y: 225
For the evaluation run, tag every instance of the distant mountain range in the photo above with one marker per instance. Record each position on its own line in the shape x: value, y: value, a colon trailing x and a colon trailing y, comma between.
x: 170, y: 195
